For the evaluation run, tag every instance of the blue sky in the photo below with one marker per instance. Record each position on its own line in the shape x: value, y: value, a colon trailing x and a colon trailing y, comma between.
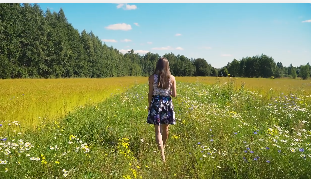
x: 216, y: 32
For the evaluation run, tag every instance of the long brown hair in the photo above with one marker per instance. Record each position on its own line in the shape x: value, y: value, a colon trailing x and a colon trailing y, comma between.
x: 163, y: 71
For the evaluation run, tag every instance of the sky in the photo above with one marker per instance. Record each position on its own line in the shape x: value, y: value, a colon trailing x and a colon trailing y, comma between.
x: 217, y: 32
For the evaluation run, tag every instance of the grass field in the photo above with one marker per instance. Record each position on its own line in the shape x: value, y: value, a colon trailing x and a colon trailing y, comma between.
x: 280, y: 85
x: 30, y: 101
x: 222, y: 131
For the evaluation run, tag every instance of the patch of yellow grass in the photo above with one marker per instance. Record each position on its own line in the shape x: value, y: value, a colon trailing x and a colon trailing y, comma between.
x: 280, y: 85
x: 30, y: 101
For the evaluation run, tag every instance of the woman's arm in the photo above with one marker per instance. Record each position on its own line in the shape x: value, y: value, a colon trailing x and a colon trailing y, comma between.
x: 150, y: 90
x: 173, y: 92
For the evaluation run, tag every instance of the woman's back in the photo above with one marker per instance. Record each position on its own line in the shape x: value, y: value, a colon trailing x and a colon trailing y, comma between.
x: 159, y: 91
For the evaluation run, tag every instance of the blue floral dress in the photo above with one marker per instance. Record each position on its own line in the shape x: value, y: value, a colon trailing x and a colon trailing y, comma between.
x: 161, y: 109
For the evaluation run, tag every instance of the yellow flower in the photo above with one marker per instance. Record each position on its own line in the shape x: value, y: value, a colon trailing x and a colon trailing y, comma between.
x: 134, y: 172
x: 175, y: 137
x: 72, y: 137
x: 6, y: 169
x: 127, y: 177
x: 57, y: 162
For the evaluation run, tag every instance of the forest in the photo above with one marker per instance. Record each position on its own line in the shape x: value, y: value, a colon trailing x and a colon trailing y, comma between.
x: 38, y: 44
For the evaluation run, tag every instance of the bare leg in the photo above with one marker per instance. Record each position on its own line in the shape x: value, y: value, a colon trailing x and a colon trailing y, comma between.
x: 164, y: 129
x: 159, y: 141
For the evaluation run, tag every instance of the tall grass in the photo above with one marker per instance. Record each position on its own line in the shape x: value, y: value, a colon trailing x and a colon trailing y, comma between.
x: 31, y: 101
x: 262, y: 85
x: 221, y: 132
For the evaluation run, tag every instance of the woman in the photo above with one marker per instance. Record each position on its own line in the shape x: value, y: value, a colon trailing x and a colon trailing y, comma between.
x: 162, y: 86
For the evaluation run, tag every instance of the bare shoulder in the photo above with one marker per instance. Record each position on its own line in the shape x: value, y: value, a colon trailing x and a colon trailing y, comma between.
x: 172, y: 78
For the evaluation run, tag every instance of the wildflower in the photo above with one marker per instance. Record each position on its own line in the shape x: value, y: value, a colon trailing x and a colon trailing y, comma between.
x: 279, y: 151
x: 4, y: 139
x: 7, y: 152
x: 57, y: 162
x: 35, y: 158
x: 0, y: 125
x: 199, y: 143
x: 301, y: 150
x: 72, y: 137
x: 268, y: 161
x: 267, y: 147
x: 292, y: 149
x: 251, y: 152
x: 204, y: 155
x: 6, y: 169
x: 235, y: 133
x: 212, y: 140
x: 3, y: 162
x: 303, y: 155
x: 255, y: 132
x: 218, y: 166
x: 65, y: 174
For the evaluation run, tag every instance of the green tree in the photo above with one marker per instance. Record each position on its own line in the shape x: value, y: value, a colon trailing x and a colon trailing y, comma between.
x: 304, y: 72
x: 202, y: 67
x: 234, y: 68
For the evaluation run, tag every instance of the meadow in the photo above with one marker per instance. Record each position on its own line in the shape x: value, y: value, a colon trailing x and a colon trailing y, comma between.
x: 225, y: 128
x: 31, y: 101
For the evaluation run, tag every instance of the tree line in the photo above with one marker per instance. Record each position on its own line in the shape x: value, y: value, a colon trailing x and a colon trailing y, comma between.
x: 37, y: 44
x: 264, y: 66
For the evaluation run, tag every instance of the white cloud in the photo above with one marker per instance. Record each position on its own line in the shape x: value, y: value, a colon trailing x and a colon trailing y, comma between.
x: 136, y: 24
x: 109, y: 40
x: 126, y: 7
x: 307, y: 20
x: 162, y: 48
x: 124, y: 51
x: 149, y: 42
x: 122, y: 26
x: 226, y: 55
x: 141, y: 51
x: 207, y: 48
x: 177, y: 34
x: 130, y: 7
x: 179, y: 48
x: 126, y: 40
x: 119, y: 6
